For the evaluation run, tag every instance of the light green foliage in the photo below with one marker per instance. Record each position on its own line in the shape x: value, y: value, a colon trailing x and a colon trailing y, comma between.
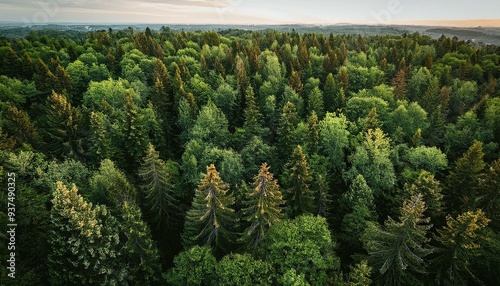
x: 84, y: 241
x: 426, y: 158
x: 334, y: 138
x: 289, y: 95
x: 359, y: 107
x: 112, y: 91
x: 243, y: 270
x: 360, y: 274
x: 264, y: 201
x: 291, y: 278
x: 158, y: 186
x: 229, y: 162
x: 408, y: 117
x: 372, y: 160
x: 210, y: 218
x: 492, y: 117
x: 463, y: 96
x: 211, y: 126
x: 16, y: 91
x: 195, y: 266
x: 202, y: 91
x: 397, y: 250
x: 304, y: 244
x: 226, y: 98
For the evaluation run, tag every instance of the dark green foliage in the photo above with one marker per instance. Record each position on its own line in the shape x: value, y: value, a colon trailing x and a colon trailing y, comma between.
x: 298, y: 194
x: 398, y: 249
x: 158, y: 179
x: 86, y: 108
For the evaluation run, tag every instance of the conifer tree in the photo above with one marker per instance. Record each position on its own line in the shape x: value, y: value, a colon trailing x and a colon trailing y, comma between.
x: 253, y: 117
x: 157, y: 189
x: 463, y: 180
x: 61, y: 135
x: 295, y: 82
x: 210, y: 218
x: 315, y: 102
x: 263, y: 209
x: 286, y: 127
x: 139, y: 250
x: 459, y: 242
x: 300, y: 198
x: 18, y: 124
x: 397, y: 250
x: 330, y: 94
x: 44, y: 78
x: 312, y: 136
x: 399, y: 83
x: 85, y: 242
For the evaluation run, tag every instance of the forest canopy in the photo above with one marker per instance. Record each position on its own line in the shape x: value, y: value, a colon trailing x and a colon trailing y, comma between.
x: 165, y: 157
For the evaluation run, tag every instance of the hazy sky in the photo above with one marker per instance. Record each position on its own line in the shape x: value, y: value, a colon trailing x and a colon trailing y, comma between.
x: 248, y: 11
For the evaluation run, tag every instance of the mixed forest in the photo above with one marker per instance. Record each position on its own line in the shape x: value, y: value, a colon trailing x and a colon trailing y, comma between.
x: 166, y: 157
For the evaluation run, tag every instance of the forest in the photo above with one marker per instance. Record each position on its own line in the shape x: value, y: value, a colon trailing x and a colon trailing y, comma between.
x: 166, y: 157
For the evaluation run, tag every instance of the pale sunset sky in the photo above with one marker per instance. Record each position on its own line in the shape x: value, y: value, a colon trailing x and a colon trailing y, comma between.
x: 425, y: 12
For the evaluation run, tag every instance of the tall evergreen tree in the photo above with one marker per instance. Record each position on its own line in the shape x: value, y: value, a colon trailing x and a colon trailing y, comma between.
x: 398, y: 249
x: 263, y: 207
x: 85, y: 242
x: 286, y: 127
x: 210, y: 219
x: 462, y: 182
x: 300, y: 198
x: 157, y: 189
x: 139, y: 250
x: 459, y: 242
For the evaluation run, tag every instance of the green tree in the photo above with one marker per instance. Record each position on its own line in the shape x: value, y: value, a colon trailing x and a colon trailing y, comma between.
x: 315, y: 102
x: 85, y: 242
x: 195, y: 266
x: 334, y: 139
x: 331, y: 92
x: 243, y: 269
x: 304, y: 244
x: 210, y: 218
x: 139, y: 250
x: 360, y: 274
x: 286, y: 127
x: 398, y: 249
x: 264, y: 207
x: 61, y: 128
x: 300, y: 198
x: 459, y: 242
x: 109, y: 186
x: 158, y: 186
x: 463, y: 180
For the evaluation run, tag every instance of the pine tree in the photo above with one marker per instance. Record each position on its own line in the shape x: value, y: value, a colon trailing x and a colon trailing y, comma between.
x: 157, y: 189
x: 139, y: 250
x: 210, y: 218
x: 300, y: 198
x: 330, y: 92
x: 398, y: 249
x: 459, y: 241
x: 44, y: 78
x: 63, y: 80
x: 85, y: 242
x: 263, y: 206
x: 343, y: 78
x: 488, y: 197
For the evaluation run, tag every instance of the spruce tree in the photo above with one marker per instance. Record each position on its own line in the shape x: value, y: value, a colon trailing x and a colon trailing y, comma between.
x: 300, y: 198
x: 463, y: 180
x: 459, y: 242
x: 85, y: 242
x: 210, y: 219
x: 263, y: 209
x: 397, y: 250
x: 157, y: 189
x: 139, y: 250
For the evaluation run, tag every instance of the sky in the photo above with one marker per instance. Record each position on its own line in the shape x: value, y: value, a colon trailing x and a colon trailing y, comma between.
x: 453, y: 12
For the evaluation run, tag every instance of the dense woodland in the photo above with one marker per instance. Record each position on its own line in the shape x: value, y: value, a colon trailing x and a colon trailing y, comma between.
x: 251, y: 158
